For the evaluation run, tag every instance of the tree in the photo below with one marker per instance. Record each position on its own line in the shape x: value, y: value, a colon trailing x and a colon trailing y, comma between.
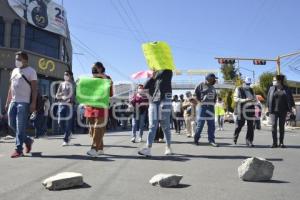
x: 229, y: 74
x: 265, y: 82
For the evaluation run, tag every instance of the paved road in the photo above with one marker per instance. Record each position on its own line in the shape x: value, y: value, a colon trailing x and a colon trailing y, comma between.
x: 209, y: 173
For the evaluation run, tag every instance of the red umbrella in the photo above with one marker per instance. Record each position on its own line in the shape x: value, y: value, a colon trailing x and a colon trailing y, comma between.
x: 142, y: 74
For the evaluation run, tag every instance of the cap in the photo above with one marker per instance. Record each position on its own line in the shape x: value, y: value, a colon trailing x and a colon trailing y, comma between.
x: 211, y: 75
x: 248, y: 80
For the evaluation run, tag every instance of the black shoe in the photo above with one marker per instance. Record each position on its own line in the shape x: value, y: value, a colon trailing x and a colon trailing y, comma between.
x: 274, y: 146
x: 234, y: 141
x: 196, y: 142
x: 282, y: 146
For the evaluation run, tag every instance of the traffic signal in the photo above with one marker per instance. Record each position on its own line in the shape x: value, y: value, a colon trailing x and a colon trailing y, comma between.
x: 259, y: 62
x: 226, y: 61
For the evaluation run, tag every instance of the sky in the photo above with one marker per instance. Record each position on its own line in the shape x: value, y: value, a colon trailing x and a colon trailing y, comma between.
x: 112, y: 31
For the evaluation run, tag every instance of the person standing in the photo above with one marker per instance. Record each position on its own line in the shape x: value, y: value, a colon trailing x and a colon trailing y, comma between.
x: 220, y: 112
x: 65, y: 96
x: 46, y: 114
x: 139, y: 102
x: 97, y: 118
x: 189, y: 109
x: 245, y: 101
x: 176, y: 105
x: 21, y: 100
x: 206, y: 96
x: 38, y: 117
x: 280, y: 101
x: 160, y: 106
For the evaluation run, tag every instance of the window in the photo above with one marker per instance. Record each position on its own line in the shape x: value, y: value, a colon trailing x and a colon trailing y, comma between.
x: 15, y: 34
x: 2, y: 31
x: 42, y: 42
x: 298, y: 90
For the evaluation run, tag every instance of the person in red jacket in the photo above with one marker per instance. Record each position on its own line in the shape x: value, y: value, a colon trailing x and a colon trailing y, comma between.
x: 97, y: 117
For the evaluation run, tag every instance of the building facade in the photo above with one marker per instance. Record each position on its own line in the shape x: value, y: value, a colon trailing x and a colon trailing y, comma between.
x: 40, y: 28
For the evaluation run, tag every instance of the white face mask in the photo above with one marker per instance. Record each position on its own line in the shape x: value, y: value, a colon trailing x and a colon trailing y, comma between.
x: 67, y: 78
x: 19, y: 64
x: 275, y: 83
x: 140, y: 90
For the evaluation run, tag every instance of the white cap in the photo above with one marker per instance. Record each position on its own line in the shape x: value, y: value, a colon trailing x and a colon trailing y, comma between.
x: 247, y: 80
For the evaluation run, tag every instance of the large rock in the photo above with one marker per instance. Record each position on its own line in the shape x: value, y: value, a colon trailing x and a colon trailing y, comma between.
x: 256, y: 169
x: 63, y: 181
x: 166, y: 180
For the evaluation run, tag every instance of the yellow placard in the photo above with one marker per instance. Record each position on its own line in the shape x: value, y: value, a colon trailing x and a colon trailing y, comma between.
x: 158, y: 56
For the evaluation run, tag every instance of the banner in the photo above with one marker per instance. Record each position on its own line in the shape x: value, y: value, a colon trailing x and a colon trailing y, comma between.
x: 44, y: 14
x: 158, y: 56
x: 93, y: 92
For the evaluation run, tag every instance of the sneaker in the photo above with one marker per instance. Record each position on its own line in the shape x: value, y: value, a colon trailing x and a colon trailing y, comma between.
x: 213, y: 144
x: 222, y: 129
x: 28, y: 146
x: 92, y: 153
x: 189, y: 135
x: 168, y: 151
x: 100, y: 152
x: 219, y: 129
x: 145, y: 152
x: 64, y: 144
x: 248, y: 143
x: 282, y: 146
x: 160, y: 140
x: 196, y: 142
x: 274, y: 146
x: 139, y: 139
x: 133, y: 140
x: 234, y: 141
x: 251, y: 144
x: 17, y: 154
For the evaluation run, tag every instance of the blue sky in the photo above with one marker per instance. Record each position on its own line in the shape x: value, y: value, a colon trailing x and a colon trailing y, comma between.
x: 197, y: 31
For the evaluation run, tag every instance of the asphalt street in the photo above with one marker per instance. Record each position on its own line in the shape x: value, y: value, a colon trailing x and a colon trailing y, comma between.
x: 209, y: 173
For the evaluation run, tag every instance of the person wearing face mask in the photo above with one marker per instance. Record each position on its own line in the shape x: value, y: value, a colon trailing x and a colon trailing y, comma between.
x: 207, y: 97
x: 65, y: 96
x: 21, y: 100
x: 139, y: 101
x: 97, y: 118
x: 245, y: 100
x: 280, y: 101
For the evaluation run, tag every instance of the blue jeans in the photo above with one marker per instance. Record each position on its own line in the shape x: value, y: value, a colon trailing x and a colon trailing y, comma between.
x: 65, y: 120
x: 38, y: 125
x: 159, y: 112
x: 205, y: 112
x: 18, y: 114
x: 138, y: 123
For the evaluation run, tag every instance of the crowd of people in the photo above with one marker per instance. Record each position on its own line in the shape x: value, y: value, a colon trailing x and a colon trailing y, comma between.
x: 152, y: 107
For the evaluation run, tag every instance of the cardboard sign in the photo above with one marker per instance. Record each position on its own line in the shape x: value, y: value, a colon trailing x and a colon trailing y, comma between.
x: 93, y: 92
x: 158, y: 56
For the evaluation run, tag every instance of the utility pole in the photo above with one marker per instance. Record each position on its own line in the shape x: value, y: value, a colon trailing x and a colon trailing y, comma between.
x: 258, y: 61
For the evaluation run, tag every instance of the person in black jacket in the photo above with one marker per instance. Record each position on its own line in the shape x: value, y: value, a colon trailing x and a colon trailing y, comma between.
x: 245, y: 101
x: 280, y: 101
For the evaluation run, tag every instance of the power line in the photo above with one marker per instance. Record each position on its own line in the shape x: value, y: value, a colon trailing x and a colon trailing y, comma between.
x: 126, y: 24
x: 137, y: 20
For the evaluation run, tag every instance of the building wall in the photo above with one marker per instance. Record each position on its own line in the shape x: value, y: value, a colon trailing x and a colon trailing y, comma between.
x: 49, y: 69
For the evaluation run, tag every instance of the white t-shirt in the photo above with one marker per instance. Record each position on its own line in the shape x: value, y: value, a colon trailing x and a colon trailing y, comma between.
x: 20, y: 89
x: 176, y: 106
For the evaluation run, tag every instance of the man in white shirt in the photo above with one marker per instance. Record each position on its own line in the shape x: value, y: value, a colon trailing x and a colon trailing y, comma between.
x: 21, y: 100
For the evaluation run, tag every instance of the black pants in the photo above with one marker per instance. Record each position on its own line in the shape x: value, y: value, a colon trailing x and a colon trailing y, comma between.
x: 177, y: 122
x: 275, y: 117
x: 250, y: 129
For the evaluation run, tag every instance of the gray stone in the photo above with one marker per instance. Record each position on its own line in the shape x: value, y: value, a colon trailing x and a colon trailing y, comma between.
x: 63, y: 181
x: 166, y: 180
x: 256, y: 169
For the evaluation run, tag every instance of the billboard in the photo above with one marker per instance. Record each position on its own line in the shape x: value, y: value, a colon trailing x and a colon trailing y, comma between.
x: 44, y: 14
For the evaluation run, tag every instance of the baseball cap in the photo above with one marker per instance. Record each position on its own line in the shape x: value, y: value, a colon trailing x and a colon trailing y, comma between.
x: 211, y: 75
x: 248, y: 80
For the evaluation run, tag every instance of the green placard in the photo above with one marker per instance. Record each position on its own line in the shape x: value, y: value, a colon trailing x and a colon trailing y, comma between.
x: 93, y: 92
x: 158, y: 56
